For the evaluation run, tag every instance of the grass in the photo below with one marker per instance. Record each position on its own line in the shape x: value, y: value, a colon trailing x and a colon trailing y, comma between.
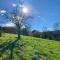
x: 29, y: 48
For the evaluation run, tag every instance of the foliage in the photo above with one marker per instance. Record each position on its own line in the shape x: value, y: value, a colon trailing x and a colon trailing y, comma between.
x: 35, y: 33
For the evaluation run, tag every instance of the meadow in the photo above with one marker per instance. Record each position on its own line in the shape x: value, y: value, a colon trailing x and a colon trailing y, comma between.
x: 28, y: 48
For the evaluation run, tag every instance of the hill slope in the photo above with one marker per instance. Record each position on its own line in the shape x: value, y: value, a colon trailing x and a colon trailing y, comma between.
x: 28, y: 48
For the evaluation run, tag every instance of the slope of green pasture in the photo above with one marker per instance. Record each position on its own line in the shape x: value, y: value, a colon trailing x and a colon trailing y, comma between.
x: 29, y: 48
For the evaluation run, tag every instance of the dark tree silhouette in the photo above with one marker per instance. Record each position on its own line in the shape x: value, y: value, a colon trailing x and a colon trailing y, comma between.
x: 45, y: 28
x: 18, y: 17
x: 0, y: 31
x: 56, y: 26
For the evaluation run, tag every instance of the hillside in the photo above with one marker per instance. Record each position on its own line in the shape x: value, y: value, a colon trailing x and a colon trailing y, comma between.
x: 28, y: 48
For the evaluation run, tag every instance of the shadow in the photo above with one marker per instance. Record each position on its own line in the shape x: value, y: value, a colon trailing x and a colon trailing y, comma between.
x: 37, y: 56
x: 10, y: 46
x: 19, y: 56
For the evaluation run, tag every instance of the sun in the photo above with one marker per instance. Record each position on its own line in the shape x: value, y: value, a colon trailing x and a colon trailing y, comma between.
x: 25, y: 10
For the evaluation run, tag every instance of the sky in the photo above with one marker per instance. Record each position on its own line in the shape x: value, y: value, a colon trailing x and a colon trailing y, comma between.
x: 45, y: 12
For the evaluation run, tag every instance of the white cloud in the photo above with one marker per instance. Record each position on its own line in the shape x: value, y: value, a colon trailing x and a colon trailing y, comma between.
x: 9, y: 24
x: 2, y: 11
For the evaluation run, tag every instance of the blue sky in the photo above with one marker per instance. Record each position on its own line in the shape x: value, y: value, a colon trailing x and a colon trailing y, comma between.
x: 45, y: 12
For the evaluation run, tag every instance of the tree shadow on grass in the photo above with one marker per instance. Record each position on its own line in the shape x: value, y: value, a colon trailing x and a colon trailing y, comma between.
x: 10, y: 46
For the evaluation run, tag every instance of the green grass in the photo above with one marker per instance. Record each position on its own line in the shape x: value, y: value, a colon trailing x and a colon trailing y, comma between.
x: 31, y: 48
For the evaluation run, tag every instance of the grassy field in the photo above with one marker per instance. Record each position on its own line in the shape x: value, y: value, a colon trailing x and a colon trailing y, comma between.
x: 28, y: 48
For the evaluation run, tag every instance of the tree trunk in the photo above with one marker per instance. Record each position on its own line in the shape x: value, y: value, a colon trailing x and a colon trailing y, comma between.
x: 18, y: 27
x: 0, y: 31
x: 18, y: 34
x: 0, y: 34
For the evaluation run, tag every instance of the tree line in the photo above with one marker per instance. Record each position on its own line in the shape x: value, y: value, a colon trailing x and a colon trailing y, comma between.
x: 46, y: 34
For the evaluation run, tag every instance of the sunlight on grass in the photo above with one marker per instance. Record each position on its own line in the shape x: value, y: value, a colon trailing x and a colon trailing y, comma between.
x: 32, y: 48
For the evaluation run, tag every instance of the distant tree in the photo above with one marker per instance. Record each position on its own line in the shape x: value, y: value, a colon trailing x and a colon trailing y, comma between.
x: 44, y: 33
x: 56, y: 26
x: 45, y: 28
x: 36, y: 33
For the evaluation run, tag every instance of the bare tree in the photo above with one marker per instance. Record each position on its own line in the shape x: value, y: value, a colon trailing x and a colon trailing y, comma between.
x: 18, y: 16
x: 45, y: 28
x: 56, y: 26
